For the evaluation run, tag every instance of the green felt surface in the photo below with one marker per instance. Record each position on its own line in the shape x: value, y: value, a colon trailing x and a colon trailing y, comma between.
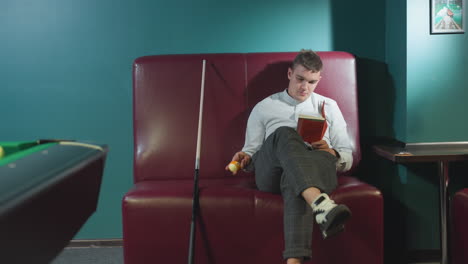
x: 19, y: 149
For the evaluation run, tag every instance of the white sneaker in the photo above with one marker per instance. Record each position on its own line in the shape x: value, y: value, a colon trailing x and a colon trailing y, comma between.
x: 330, y: 216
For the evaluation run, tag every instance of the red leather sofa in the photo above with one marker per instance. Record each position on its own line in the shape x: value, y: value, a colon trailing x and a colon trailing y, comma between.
x: 237, y: 223
x: 459, y: 228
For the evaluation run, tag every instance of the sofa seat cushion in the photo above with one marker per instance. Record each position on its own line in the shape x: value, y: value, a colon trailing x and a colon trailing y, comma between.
x: 235, y: 217
x: 459, y: 231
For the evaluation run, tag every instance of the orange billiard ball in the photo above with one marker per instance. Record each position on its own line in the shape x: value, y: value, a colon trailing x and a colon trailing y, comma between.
x: 234, y: 166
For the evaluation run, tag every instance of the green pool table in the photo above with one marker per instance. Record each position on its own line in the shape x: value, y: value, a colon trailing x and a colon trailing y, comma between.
x: 48, y: 189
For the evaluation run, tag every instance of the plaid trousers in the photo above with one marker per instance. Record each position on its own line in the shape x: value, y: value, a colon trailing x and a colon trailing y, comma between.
x: 285, y: 165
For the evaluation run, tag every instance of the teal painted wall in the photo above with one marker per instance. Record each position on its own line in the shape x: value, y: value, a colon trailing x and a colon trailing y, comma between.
x: 437, y: 80
x: 429, y: 77
x: 65, y: 69
x: 436, y: 96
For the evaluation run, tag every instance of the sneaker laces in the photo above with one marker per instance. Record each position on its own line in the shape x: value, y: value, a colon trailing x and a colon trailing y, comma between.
x: 322, y: 210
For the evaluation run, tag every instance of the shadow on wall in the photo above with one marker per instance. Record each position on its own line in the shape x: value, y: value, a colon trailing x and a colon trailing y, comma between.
x: 376, y: 95
x: 376, y: 108
x: 359, y: 28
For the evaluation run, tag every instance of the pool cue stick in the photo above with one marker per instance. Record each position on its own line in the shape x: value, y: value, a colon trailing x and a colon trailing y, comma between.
x: 195, y: 202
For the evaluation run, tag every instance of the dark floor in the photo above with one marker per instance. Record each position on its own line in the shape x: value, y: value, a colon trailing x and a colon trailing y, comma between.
x: 106, y: 255
x: 90, y: 255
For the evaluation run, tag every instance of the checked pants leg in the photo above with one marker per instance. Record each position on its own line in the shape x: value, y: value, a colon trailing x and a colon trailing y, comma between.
x: 285, y: 165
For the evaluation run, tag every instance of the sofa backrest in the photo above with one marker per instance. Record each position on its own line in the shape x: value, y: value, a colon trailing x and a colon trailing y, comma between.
x: 166, y: 96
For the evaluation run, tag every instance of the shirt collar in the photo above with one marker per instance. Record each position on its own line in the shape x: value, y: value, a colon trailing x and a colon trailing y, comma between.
x: 288, y: 99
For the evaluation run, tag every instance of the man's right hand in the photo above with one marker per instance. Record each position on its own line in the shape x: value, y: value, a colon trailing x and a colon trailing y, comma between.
x: 243, y: 158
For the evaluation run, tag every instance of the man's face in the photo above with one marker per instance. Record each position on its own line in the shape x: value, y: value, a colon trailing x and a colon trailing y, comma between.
x: 302, y: 82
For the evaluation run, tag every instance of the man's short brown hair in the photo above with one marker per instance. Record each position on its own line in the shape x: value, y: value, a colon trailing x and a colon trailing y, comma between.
x: 309, y: 59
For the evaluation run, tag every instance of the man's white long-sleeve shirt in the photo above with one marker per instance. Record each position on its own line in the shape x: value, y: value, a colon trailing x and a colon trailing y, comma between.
x: 280, y: 109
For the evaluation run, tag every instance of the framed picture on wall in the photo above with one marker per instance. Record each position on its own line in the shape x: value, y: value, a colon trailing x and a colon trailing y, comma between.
x: 447, y: 16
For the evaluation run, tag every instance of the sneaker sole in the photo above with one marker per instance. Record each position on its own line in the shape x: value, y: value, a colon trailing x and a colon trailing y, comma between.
x: 332, y: 232
x: 335, y: 221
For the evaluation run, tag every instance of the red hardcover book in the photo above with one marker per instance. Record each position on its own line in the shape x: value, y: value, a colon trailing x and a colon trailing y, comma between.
x: 312, y: 128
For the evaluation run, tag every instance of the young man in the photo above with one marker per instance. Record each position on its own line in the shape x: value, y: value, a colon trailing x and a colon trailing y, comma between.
x: 302, y: 173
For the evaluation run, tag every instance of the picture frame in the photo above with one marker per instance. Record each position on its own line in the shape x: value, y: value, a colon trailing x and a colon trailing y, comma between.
x: 447, y: 16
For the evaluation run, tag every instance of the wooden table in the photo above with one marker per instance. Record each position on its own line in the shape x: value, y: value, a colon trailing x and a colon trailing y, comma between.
x: 440, y: 152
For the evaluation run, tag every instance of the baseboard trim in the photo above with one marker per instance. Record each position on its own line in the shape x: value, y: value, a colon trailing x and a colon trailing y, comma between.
x: 426, y: 255
x: 81, y: 243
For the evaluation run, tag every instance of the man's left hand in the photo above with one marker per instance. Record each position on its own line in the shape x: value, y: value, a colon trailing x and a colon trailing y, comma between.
x: 323, y: 146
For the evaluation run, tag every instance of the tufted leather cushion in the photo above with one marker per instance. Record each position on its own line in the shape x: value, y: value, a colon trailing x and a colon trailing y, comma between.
x: 166, y: 106
x: 459, y: 231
